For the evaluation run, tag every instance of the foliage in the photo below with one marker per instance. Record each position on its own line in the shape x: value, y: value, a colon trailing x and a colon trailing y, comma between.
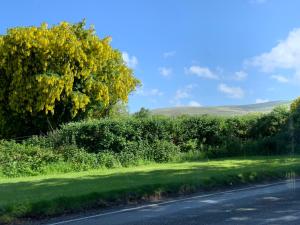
x: 27, y: 160
x: 164, y: 151
x: 49, y: 76
x: 189, y: 146
x: 270, y: 124
x: 131, y: 141
x: 120, y: 109
x: 142, y: 113
x: 205, y: 129
x: 295, y: 104
x: 22, y: 160
x: 214, y: 136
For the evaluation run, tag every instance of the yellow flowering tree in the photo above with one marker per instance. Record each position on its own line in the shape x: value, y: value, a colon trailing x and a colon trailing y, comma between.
x: 295, y: 105
x: 51, y: 75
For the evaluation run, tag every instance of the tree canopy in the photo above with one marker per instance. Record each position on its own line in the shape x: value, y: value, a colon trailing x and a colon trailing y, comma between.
x: 51, y: 75
x: 295, y: 104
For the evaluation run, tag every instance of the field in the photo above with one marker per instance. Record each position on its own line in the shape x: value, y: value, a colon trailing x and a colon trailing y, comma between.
x: 41, y: 196
x: 233, y: 110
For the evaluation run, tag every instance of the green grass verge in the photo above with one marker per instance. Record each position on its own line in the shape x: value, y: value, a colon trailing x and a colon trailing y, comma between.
x: 43, y: 196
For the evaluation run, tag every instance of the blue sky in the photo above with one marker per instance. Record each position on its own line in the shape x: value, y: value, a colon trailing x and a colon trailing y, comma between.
x: 189, y: 52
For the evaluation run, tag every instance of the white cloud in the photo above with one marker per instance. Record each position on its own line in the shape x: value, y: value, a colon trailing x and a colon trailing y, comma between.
x: 280, y: 78
x: 240, y: 75
x: 203, y: 72
x: 150, y: 92
x: 191, y: 86
x: 165, y: 71
x: 194, y: 104
x: 232, y: 92
x: 183, y: 93
x: 130, y: 61
x: 155, y: 92
x: 285, y: 55
x: 260, y: 100
x: 169, y: 54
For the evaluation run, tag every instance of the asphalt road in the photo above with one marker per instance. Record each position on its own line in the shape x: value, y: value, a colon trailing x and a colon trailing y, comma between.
x: 277, y: 203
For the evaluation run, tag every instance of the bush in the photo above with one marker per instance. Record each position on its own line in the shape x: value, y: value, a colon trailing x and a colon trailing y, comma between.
x: 189, y: 146
x: 134, y: 153
x: 108, y: 160
x: 231, y: 147
x: 26, y: 160
x: 21, y: 160
x: 130, y: 141
x: 224, y: 135
x: 79, y: 159
x: 164, y: 151
x: 205, y: 129
x: 269, y: 124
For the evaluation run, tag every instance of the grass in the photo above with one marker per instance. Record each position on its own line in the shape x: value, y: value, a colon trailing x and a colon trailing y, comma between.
x: 43, y: 196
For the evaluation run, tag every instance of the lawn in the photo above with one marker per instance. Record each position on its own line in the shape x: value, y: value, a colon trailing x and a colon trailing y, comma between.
x: 42, y: 196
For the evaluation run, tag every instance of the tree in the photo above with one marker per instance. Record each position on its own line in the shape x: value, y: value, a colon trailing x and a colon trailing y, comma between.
x: 295, y: 105
x: 270, y: 124
x: 143, y: 113
x: 119, y: 110
x: 50, y: 76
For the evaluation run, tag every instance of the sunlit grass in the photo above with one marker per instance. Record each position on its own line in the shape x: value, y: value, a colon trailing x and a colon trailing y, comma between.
x: 21, y: 196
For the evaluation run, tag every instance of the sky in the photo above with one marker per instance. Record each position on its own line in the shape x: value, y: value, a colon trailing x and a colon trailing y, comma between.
x: 188, y: 52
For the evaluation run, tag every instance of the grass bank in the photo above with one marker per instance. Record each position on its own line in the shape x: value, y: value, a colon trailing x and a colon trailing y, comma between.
x: 43, y: 196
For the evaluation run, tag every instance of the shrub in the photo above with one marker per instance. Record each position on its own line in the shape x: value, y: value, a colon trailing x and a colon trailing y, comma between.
x: 230, y: 147
x: 108, y: 159
x: 164, y: 151
x: 78, y: 158
x: 189, y: 146
x: 205, y: 129
x: 269, y: 124
x: 21, y: 160
x: 142, y: 113
x: 134, y: 153
x: 130, y: 141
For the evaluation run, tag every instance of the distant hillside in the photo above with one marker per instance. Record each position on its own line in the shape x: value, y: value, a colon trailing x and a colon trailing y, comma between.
x: 228, y: 110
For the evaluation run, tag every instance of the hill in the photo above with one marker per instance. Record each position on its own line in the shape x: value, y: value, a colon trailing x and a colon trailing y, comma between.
x: 229, y: 110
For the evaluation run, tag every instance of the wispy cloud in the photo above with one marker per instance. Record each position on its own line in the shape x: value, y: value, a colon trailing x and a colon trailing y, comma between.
x: 261, y: 100
x: 232, y: 92
x: 165, y: 71
x: 280, y: 78
x: 183, y: 93
x: 149, y: 92
x: 131, y: 61
x: 194, y: 103
x: 240, y: 75
x: 202, y: 72
x: 169, y: 54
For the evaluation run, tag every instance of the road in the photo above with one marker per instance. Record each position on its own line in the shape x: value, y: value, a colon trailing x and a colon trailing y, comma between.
x: 277, y: 203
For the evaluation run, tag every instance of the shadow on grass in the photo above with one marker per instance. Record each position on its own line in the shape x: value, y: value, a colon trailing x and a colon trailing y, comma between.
x: 53, y: 196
